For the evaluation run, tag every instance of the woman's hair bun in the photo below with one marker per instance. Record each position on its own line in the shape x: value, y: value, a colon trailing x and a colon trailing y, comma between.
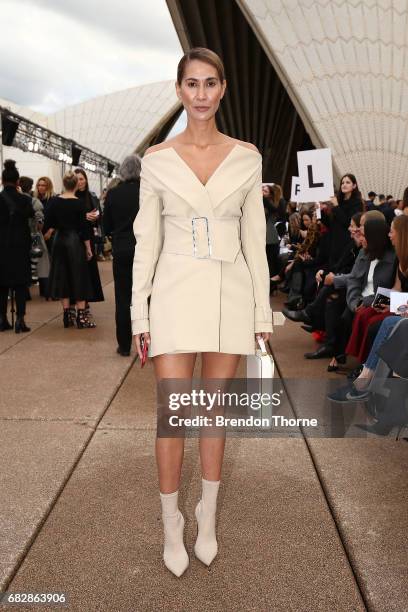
x: 9, y: 164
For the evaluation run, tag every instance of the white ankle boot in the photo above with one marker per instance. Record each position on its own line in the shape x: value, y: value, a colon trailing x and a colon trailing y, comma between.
x: 175, y: 556
x: 206, y: 546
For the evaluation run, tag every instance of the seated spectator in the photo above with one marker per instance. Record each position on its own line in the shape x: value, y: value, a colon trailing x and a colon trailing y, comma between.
x: 375, y: 267
x: 303, y: 262
x: 384, y: 207
x: 359, y: 389
x: 339, y: 316
x: 298, y: 226
x: 332, y: 287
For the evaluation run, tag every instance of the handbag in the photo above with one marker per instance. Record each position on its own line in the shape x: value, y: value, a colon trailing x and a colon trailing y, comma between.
x: 260, y: 371
x: 36, y: 246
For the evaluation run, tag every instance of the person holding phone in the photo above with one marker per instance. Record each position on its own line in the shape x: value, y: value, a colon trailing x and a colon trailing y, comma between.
x: 92, y: 207
x: 200, y: 277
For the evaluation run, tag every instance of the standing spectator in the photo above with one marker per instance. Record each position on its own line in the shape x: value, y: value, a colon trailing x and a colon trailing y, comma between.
x: 272, y: 236
x: 370, y: 203
x: 337, y: 220
x: 121, y: 208
x: 44, y: 191
x: 36, y: 225
x: 69, y: 274
x: 15, y: 237
x: 92, y: 208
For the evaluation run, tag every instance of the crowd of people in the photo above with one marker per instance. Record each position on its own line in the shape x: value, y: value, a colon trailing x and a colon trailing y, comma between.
x: 338, y: 261
x: 51, y: 240
x: 56, y: 240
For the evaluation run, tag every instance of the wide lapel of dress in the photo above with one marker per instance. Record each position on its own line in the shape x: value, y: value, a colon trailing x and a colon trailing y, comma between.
x: 239, y: 168
x: 172, y: 173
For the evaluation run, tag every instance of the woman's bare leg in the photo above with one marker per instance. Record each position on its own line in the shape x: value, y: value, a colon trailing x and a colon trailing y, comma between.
x: 221, y: 366
x: 170, y: 451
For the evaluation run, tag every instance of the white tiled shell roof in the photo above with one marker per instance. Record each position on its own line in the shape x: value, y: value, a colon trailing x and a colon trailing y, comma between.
x: 116, y: 124
x: 346, y: 64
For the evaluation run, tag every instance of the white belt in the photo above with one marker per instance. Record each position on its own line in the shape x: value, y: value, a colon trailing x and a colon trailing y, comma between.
x: 216, y: 238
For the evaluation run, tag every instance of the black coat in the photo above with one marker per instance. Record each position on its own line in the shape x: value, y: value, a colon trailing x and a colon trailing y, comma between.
x: 15, y: 237
x: 338, y: 223
x: 121, y: 208
x: 91, y: 203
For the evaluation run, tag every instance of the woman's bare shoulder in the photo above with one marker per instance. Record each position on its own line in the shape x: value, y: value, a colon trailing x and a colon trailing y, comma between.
x: 161, y: 146
x: 248, y: 145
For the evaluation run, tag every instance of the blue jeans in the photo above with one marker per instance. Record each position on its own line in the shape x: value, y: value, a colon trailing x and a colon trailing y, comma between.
x: 386, y: 328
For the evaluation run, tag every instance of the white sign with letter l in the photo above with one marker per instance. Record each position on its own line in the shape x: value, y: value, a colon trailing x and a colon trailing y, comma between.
x: 315, y: 175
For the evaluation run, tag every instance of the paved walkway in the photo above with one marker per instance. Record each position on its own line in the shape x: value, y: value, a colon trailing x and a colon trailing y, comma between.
x: 304, y: 524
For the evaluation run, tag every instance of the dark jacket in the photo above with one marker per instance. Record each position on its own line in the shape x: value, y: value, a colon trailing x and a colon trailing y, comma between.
x: 15, y: 237
x: 384, y: 276
x: 338, y: 222
x: 121, y: 208
x: 386, y: 210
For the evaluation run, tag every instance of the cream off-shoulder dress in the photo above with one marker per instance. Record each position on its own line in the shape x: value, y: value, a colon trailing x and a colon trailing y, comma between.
x: 200, y: 273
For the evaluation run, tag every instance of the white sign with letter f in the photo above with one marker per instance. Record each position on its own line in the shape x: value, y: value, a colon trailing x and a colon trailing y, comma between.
x: 315, y: 175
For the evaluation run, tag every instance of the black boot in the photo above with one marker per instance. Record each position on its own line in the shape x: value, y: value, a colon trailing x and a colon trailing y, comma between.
x: 299, y: 316
x: 4, y: 324
x: 20, y: 326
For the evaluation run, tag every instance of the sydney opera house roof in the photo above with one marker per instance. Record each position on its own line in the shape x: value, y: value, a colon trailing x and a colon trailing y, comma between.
x: 119, y: 123
x: 115, y: 124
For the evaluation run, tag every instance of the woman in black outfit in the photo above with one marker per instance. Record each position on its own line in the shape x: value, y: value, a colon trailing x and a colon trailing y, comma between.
x: 69, y: 274
x: 93, y: 212
x: 121, y: 208
x: 348, y: 203
x: 15, y: 237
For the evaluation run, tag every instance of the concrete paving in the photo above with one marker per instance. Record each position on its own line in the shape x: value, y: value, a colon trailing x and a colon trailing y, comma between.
x: 304, y: 524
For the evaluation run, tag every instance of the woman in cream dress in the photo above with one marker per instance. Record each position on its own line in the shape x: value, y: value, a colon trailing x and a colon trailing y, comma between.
x: 200, y: 276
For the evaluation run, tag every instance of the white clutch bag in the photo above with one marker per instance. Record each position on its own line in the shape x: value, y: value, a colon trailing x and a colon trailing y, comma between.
x: 260, y: 370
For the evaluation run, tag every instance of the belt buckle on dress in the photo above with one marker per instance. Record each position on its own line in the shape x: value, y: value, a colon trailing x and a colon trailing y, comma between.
x: 194, y: 239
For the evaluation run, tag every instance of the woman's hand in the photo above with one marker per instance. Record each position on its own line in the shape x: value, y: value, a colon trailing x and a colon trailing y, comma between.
x: 264, y: 335
x: 92, y: 216
x: 48, y: 234
x: 334, y: 201
x: 89, y: 253
x: 329, y: 279
x: 382, y: 308
x: 146, y: 338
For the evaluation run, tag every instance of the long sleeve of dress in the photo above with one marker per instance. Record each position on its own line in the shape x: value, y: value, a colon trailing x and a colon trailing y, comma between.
x: 107, y: 216
x: 149, y: 234
x: 253, y: 231
x: 85, y: 228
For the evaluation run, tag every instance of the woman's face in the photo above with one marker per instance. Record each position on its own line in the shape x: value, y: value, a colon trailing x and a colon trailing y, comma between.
x: 393, y: 235
x: 363, y: 240
x: 306, y: 221
x: 347, y: 185
x: 353, y: 229
x: 201, y: 90
x: 265, y: 191
x: 81, y: 182
x: 41, y: 188
x: 355, y: 232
